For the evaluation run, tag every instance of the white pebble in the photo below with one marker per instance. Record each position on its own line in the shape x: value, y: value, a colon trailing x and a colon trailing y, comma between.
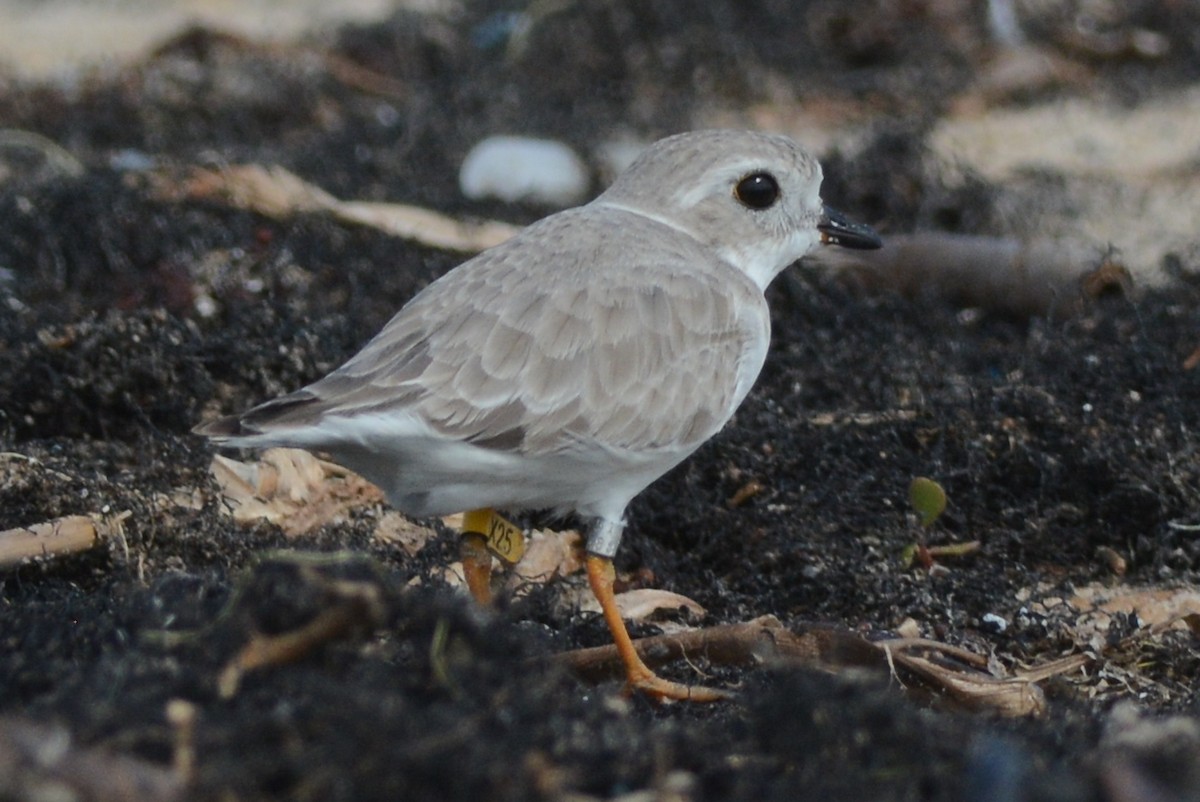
x: 205, y: 305
x: 994, y: 622
x: 514, y: 168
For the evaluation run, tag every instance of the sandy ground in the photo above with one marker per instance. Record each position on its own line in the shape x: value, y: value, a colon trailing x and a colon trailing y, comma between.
x: 1136, y: 170
x: 58, y: 37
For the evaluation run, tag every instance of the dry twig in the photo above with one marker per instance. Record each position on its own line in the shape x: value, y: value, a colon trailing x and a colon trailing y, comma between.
x: 356, y: 606
x: 939, y: 669
x: 70, y: 534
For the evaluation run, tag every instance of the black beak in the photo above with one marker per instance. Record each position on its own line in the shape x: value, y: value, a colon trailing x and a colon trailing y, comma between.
x: 837, y: 230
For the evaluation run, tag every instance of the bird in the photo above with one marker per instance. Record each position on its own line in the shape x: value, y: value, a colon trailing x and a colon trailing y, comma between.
x: 569, y: 367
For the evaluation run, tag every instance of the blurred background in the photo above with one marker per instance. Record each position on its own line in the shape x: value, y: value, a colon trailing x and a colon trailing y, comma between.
x: 1073, y: 120
x: 48, y: 38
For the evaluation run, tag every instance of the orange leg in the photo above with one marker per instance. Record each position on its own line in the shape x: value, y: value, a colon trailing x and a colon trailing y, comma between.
x: 601, y: 577
x: 477, y: 566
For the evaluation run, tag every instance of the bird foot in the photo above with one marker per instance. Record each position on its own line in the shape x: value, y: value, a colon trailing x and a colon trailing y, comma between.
x: 664, y: 690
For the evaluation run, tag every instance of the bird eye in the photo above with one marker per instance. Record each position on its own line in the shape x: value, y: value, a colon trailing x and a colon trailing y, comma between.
x: 757, y: 190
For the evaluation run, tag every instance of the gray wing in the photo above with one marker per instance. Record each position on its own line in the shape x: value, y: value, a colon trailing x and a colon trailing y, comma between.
x: 537, y: 358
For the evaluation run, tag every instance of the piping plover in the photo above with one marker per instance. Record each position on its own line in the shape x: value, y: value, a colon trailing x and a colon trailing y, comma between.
x: 574, y: 364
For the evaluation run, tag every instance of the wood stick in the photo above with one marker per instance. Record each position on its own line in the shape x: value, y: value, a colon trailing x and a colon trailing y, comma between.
x: 998, y: 274
x: 273, y: 191
x: 766, y: 640
x: 760, y: 640
x: 67, y: 535
x: 358, y: 607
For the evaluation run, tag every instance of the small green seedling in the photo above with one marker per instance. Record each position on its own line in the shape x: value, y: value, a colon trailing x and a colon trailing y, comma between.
x: 928, y: 499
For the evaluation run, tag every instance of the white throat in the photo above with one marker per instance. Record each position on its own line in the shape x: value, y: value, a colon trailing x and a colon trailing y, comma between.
x: 763, y: 260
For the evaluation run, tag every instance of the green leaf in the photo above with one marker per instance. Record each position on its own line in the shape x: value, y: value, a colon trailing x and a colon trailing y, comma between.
x: 928, y: 499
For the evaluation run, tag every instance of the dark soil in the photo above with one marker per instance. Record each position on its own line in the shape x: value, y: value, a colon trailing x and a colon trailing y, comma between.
x: 1052, y: 438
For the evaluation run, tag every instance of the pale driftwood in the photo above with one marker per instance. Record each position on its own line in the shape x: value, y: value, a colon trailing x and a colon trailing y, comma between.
x: 1010, y: 696
x: 41, y: 762
x: 426, y: 226
x: 997, y: 274
x: 68, y: 535
x: 277, y: 193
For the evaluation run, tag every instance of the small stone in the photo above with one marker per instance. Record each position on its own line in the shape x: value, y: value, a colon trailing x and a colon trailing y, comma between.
x: 513, y: 168
x: 990, y: 622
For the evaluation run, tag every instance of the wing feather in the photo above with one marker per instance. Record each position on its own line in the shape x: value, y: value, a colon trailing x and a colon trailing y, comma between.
x: 651, y: 354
